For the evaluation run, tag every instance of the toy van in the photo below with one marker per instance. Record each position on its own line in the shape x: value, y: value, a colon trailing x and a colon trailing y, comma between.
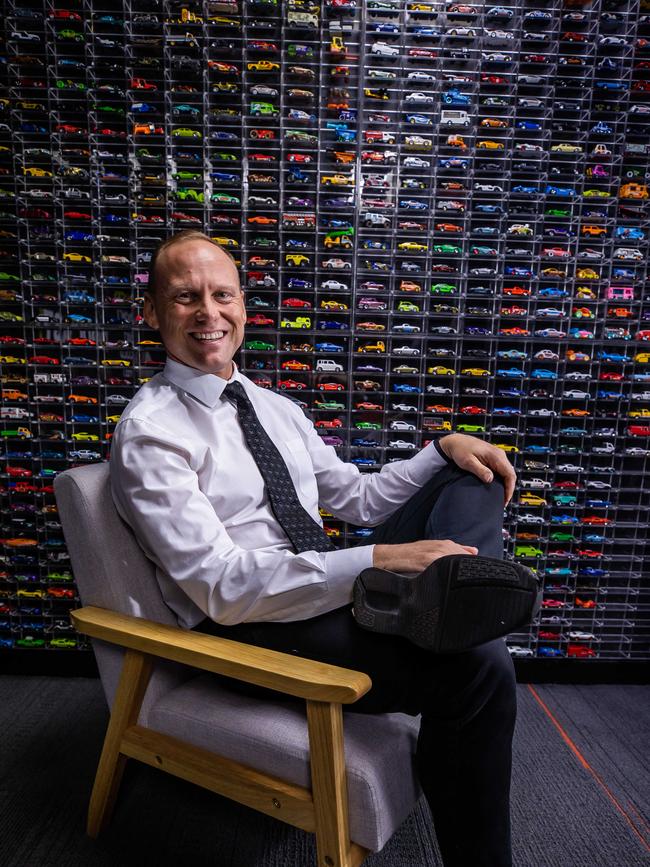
x: 454, y: 117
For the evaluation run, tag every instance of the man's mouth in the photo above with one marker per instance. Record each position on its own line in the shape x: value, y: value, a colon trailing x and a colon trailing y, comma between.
x: 207, y: 335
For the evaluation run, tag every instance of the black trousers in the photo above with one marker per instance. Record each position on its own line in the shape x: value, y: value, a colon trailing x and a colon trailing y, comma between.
x: 467, y: 700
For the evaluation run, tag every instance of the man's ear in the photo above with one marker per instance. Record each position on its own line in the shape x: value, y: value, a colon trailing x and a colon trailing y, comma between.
x: 149, y: 312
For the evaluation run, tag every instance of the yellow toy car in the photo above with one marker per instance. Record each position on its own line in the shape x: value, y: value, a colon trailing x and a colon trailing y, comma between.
x: 564, y: 148
x: 262, y: 66
x: 438, y: 370
x: 84, y: 436
x: 76, y: 257
x: 488, y: 144
x: 528, y: 499
x: 475, y: 371
x: 298, y: 322
x: 412, y: 246
x: 35, y: 172
x: 225, y: 242
x: 296, y: 259
x: 116, y: 362
x: 337, y: 180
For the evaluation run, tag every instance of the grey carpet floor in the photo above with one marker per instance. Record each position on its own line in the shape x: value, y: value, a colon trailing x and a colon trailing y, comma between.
x: 580, y: 795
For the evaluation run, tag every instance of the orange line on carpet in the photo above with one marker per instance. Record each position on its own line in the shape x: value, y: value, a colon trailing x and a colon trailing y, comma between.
x: 585, y: 764
x: 637, y: 814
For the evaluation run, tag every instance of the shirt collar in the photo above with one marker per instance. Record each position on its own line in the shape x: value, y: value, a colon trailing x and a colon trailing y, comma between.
x: 206, y: 387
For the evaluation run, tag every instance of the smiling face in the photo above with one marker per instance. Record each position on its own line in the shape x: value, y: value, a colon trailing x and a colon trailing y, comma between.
x: 198, y: 306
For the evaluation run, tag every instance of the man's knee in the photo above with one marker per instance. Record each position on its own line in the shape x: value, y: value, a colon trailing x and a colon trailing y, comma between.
x: 470, y: 512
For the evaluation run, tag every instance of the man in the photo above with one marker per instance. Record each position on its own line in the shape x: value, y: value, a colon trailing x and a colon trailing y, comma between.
x: 185, y: 477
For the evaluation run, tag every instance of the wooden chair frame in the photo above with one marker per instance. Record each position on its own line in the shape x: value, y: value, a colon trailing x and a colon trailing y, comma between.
x: 322, y: 810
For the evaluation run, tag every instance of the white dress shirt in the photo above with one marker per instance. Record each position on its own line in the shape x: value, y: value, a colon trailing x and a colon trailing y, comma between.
x: 183, y: 478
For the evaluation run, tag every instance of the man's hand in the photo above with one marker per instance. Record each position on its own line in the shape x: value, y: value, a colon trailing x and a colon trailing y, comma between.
x: 480, y: 458
x: 416, y: 556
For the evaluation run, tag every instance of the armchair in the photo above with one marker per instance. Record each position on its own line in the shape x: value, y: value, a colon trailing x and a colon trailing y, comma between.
x: 348, y: 778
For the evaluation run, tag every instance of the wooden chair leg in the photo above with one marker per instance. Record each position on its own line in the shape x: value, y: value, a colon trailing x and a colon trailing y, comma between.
x: 134, y: 678
x: 329, y: 787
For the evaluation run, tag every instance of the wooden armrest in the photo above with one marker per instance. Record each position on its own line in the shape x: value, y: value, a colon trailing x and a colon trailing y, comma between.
x: 303, y: 678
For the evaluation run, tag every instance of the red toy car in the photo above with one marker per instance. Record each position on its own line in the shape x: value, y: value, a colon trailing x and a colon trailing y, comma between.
x: 291, y: 384
x: 260, y: 319
x: 577, y: 651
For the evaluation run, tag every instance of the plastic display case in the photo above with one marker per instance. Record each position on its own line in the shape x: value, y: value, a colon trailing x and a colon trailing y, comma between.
x: 440, y: 212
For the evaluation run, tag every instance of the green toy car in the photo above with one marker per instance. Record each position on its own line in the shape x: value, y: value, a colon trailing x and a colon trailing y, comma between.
x: 329, y: 404
x: 470, y: 428
x: 63, y: 642
x: 564, y: 499
x: 528, y: 551
x: 258, y: 345
x: 188, y: 194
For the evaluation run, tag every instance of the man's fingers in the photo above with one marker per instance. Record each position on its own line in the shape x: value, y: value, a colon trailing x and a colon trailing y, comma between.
x: 494, y: 461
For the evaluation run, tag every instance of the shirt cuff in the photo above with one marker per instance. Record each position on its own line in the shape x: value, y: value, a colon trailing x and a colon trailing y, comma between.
x: 342, y: 567
x: 438, y: 448
x: 423, y: 465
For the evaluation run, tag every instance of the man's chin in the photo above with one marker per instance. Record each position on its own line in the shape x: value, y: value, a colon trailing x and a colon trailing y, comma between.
x: 216, y: 366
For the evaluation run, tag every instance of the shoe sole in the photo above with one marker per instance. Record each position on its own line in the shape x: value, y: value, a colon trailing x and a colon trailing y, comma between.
x: 458, y: 602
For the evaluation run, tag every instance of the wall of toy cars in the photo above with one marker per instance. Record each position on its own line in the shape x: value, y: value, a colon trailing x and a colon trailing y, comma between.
x: 441, y: 213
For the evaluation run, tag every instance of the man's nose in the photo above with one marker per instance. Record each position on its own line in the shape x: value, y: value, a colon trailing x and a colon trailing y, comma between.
x: 208, y: 308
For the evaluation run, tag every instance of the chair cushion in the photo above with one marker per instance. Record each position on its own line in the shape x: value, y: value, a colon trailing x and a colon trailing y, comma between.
x: 379, y: 749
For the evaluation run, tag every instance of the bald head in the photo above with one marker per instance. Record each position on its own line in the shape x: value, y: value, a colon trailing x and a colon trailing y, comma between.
x: 160, y: 257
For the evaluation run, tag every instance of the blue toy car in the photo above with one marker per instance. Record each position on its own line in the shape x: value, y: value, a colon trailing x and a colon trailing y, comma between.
x: 455, y: 97
x: 517, y: 271
x: 563, y: 192
x: 539, y: 449
x: 553, y: 292
x: 78, y: 235
x: 406, y: 388
x: 452, y: 163
x: 510, y: 371
x: 611, y: 85
x: 631, y: 233
x: 512, y: 353
x: 601, y: 128
x: 542, y: 373
x: 412, y: 205
x: 332, y: 324
x: 613, y: 356
x: 329, y: 347
x: 74, y: 296
x: 362, y: 462
x: 549, y: 651
x: 528, y: 124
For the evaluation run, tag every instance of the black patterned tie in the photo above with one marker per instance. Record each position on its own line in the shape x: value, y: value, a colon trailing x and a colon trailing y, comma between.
x: 303, y: 531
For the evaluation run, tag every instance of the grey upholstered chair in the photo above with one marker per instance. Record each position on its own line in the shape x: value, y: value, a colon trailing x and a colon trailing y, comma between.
x: 279, y: 757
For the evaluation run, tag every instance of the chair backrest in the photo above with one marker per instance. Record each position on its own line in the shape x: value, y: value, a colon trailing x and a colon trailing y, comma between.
x: 111, y: 571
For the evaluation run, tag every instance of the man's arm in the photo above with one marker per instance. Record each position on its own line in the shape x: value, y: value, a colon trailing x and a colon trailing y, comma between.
x: 156, y: 490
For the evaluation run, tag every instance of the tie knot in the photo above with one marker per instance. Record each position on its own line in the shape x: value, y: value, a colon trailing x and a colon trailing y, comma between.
x: 235, y: 391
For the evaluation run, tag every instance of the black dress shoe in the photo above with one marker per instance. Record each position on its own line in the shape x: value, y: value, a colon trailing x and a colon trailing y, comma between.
x: 458, y: 602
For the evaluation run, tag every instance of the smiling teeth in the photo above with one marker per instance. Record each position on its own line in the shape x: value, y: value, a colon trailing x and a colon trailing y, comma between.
x: 210, y: 335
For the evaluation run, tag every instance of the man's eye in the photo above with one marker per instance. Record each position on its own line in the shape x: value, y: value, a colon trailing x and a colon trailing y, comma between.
x: 183, y: 296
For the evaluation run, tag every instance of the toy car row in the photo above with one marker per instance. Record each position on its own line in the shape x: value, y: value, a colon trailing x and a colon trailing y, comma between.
x: 441, y: 216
